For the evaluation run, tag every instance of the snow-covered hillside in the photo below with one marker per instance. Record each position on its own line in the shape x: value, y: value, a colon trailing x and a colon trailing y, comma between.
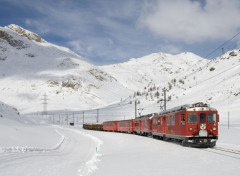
x: 18, y: 132
x: 7, y: 111
x: 187, y: 78
x: 217, y: 83
x: 157, y: 68
x: 31, y: 67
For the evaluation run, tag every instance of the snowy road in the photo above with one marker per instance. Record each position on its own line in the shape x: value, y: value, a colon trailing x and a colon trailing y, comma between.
x: 67, y: 158
x: 93, y: 153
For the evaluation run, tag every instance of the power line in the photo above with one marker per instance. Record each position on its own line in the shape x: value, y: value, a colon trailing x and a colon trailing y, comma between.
x: 222, y: 45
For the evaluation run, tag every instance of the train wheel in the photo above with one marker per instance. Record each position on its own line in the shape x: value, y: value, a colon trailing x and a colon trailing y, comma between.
x: 212, y: 144
x: 185, y: 144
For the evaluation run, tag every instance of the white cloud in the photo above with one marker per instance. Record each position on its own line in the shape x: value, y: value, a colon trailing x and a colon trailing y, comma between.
x: 192, y: 21
x: 79, y: 47
x: 42, y: 28
x: 172, y: 49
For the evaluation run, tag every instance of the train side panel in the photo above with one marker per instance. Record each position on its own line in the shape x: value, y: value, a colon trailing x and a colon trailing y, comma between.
x: 125, y: 126
x: 110, y: 126
x: 137, y: 126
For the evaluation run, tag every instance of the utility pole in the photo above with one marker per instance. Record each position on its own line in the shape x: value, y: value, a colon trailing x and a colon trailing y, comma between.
x: 45, y: 99
x: 83, y: 117
x: 67, y: 119
x: 164, y: 100
x: 73, y: 117
x: 97, y: 115
x: 228, y: 120
x: 135, y: 109
x: 77, y: 119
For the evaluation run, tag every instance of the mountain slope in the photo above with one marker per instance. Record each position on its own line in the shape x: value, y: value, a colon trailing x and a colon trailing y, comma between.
x: 31, y: 67
x: 216, y: 83
x: 187, y: 79
x: 158, y: 68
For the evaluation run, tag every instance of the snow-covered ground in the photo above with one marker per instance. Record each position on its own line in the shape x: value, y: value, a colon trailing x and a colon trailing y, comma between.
x: 35, y: 147
x: 38, y: 145
x: 126, y: 154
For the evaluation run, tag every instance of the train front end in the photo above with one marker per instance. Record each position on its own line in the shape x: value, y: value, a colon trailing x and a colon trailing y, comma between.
x: 201, y: 126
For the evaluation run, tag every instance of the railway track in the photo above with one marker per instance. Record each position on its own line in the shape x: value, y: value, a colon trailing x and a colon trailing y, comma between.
x: 225, y: 152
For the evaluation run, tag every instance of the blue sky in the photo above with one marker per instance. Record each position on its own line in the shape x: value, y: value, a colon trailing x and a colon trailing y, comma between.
x: 113, y: 31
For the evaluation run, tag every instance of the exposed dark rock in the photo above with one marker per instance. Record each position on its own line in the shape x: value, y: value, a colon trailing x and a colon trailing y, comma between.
x: 15, y: 43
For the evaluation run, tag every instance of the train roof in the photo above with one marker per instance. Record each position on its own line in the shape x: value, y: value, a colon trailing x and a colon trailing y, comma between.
x: 148, y: 116
x: 189, y: 107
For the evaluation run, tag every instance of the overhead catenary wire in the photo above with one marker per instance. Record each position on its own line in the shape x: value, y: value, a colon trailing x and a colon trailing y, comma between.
x: 220, y: 46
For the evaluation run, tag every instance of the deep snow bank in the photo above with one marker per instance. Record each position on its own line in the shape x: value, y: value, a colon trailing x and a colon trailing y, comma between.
x: 18, y: 133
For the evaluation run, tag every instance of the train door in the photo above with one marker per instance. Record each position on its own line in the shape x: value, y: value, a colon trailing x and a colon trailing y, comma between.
x: 131, y: 126
x: 164, y: 125
x: 115, y: 126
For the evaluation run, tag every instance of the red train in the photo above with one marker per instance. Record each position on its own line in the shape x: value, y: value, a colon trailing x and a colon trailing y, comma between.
x: 194, y: 125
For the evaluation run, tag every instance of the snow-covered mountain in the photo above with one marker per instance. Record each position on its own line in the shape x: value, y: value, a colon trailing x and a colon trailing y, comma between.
x: 187, y: 78
x: 156, y: 68
x: 31, y: 67
x: 217, y: 83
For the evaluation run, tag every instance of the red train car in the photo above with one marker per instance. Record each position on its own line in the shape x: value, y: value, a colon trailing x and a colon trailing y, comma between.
x: 143, y: 125
x: 110, y: 126
x: 195, y: 125
x: 125, y: 126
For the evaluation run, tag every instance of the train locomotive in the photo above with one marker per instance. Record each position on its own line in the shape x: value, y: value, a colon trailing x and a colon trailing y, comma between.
x: 193, y: 125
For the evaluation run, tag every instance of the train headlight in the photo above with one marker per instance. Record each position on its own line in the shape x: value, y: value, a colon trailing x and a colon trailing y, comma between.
x: 214, y: 128
x: 190, y: 129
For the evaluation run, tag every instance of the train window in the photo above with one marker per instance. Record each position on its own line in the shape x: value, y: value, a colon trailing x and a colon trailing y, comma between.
x: 192, y: 118
x: 212, y: 118
x: 173, y: 120
x: 202, y: 118
x: 136, y: 123
x: 159, y: 122
x: 168, y: 121
x: 183, y: 119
